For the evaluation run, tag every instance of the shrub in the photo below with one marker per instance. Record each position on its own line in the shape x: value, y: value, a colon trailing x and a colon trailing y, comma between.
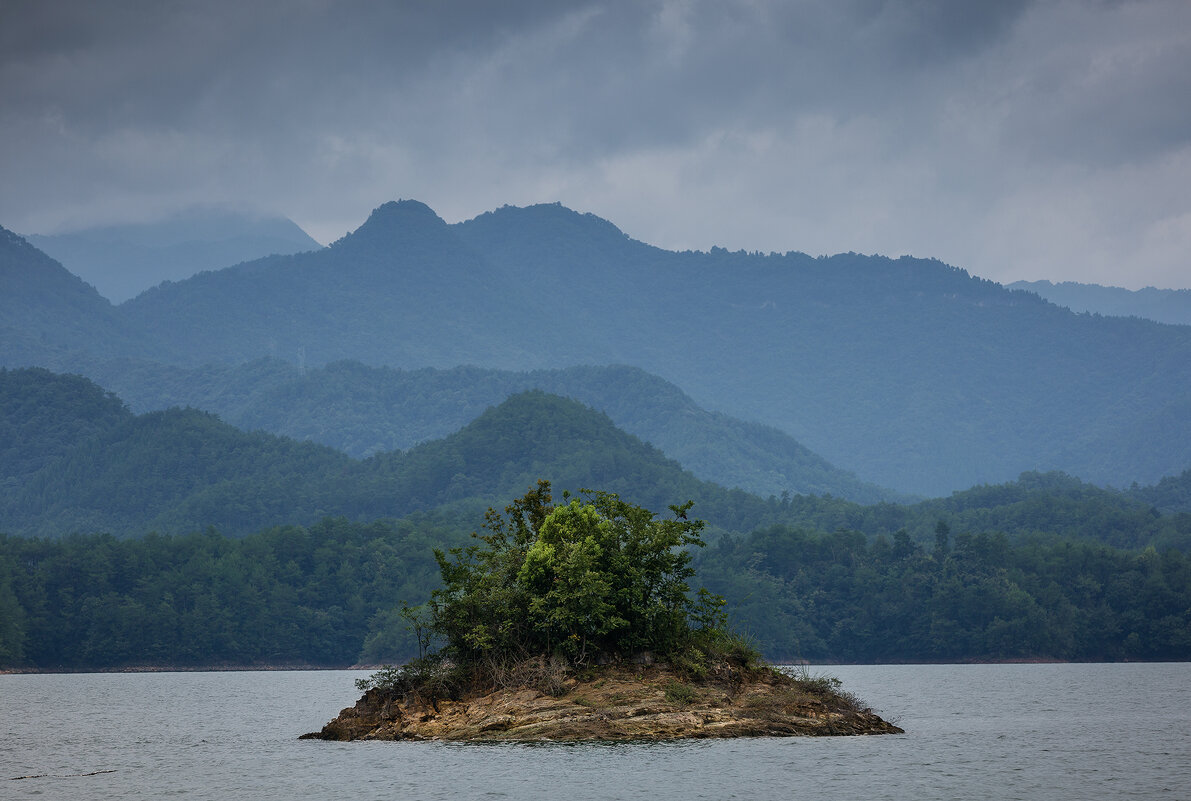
x: 590, y: 577
x: 679, y: 693
x: 550, y: 589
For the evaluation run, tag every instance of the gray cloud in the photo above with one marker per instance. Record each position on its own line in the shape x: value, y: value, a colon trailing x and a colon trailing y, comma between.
x: 1016, y: 139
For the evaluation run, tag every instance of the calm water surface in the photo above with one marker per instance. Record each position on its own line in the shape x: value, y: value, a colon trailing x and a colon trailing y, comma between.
x: 973, y: 731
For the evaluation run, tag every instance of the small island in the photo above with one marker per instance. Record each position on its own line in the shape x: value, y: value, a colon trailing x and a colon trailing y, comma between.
x: 574, y: 621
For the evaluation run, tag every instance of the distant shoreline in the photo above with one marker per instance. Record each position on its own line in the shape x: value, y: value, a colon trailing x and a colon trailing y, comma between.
x: 185, y: 669
x: 373, y: 667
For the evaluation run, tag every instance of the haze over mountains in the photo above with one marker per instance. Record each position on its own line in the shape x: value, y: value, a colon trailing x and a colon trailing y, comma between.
x: 364, y: 410
x: 74, y: 459
x: 353, y: 443
x: 913, y: 374
x: 1161, y: 305
x: 122, y: 261
x: 81, y: 463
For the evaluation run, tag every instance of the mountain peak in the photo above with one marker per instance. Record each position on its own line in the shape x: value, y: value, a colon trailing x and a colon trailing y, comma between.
x: 552, y: 220
x: 10, y: 240
x: 398, y: 223
x: 24, y: 268
x: 400, y: 210
x: 550, y: 234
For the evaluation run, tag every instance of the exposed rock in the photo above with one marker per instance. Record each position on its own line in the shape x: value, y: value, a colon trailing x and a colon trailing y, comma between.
x: 614, y: 702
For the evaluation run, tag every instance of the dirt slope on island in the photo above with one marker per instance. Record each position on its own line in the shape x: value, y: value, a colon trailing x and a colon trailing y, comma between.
x: 616, y: 703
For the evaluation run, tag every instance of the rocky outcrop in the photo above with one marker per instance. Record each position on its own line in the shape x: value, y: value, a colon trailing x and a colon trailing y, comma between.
x: 614, y: 703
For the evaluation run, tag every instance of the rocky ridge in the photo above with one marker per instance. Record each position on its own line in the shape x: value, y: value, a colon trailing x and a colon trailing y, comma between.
x: 621, y: 702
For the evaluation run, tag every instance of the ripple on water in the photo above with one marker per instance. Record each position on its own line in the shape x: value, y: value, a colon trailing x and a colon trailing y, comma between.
x: 986, y: 731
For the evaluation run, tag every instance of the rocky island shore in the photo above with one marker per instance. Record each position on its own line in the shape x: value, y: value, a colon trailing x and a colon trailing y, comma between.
x: 574, y: 621
x: 616, y: 702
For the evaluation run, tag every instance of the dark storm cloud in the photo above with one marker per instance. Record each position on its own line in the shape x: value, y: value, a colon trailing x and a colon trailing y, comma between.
x: 1100, y: 95
x: 1013, y: 138
x: 627, y: 73
x: 157, y: 59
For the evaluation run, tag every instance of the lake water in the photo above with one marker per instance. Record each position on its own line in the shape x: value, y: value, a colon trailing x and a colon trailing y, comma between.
x: 972, y: 731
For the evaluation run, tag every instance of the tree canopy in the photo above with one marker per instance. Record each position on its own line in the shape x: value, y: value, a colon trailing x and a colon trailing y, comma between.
x: 593, y: 576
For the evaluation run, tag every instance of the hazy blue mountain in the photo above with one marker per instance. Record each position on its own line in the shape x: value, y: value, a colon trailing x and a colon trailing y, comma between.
x: 401, y: 290
x: 910, y: 372
x: 1020, y: 569
x: 122, y: 261
x: 363, y: 410
x: 183, y: 469
x: 1057, y: 505
x: 176, y: 470
x: 1161, y: 305
x: 84, y: 463
x: 1033, y: 506
x: 47, y: 313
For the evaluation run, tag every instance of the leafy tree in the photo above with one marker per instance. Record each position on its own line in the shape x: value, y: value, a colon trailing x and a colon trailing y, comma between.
x: 12, y: 633
x: 591, y: 576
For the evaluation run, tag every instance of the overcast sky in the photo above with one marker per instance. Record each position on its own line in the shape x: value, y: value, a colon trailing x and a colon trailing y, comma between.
x: 1013, y: 139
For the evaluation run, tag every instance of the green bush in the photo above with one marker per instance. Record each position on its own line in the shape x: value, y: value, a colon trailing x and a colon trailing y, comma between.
x: 550, y: 590
x: 589, y: 578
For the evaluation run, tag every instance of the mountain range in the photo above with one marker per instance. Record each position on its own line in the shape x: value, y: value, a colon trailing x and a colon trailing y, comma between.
x: 76, y: 459
x: 121, y: 261
x: 1171, y: 306
x: 363, y: 410
x: 910, y: 373
x: 82, y: 463
x: 171, y: 538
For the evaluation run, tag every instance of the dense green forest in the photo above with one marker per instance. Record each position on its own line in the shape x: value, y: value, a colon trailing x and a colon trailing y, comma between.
x: 290, y: 595
x: 1171, y: 494
x: 1045, y: 567
x: 331, y: 594
x: 1034, y: 504
x: 362, y: 410
x: 44, y: 416
x: 842, y: 597
x: 203, y: 544
x: 913, y: 374
x: 99, y: 468
x: 181, y: 470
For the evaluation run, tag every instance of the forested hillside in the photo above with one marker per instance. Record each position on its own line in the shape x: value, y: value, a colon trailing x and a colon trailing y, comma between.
x: 181, y: 470
x: 1172, y: 494
x: 840, y: 597
x: 176, y: 470
x: 401, y: 290
x: 272, y: 551
x: 364, y: 410
x: 301, y: 438
x: 1160, y: 305
x: 1036, y: 504
x: 80, y: 461
x: 286, y: 595
x: 909, y: 372
x: 331, y: 594
x: 48, y: 314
